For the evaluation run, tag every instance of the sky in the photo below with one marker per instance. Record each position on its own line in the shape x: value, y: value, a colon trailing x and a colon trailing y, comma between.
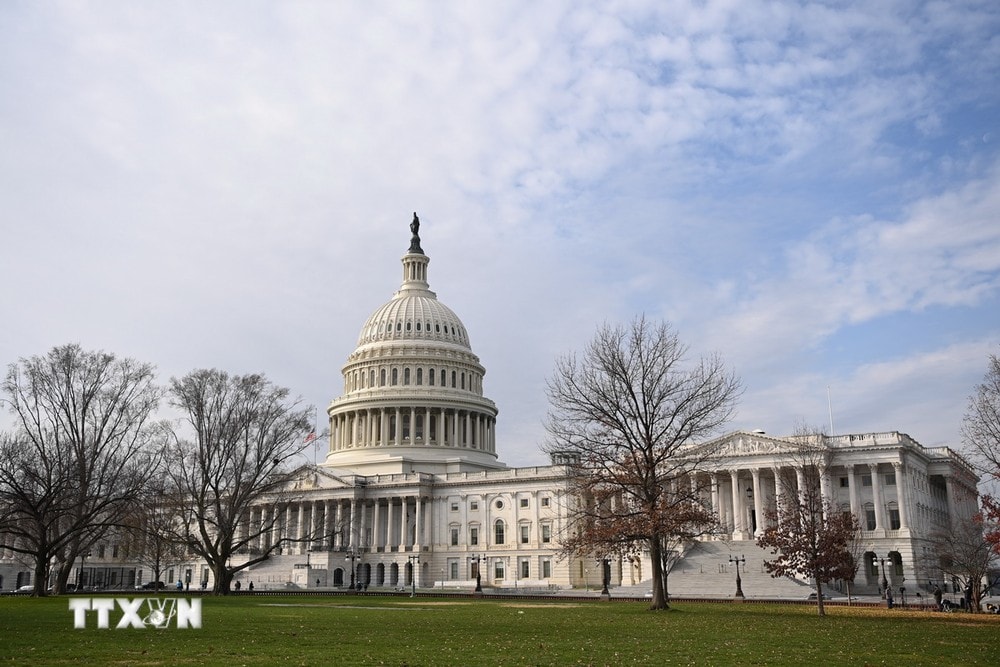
x: 809, y: 190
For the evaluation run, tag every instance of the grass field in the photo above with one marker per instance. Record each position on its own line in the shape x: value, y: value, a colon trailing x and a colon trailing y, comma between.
x: 431, y: 631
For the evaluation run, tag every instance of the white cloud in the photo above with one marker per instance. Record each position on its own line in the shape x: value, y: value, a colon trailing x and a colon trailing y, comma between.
x: 230, y: 185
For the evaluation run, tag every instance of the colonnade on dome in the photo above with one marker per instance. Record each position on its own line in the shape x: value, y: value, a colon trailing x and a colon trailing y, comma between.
x: 412, y: 426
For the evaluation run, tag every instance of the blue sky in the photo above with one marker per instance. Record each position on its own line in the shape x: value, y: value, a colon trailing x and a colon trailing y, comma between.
x: 810, y: 190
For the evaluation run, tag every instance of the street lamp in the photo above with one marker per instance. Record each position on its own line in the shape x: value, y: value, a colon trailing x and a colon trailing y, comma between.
x: 739, y: 582
x: 351, y: 555
x: 885, y: 582
x: 413, y: 574
x: 477, y: 558
x: 83, y: 563
x: 605, y: 575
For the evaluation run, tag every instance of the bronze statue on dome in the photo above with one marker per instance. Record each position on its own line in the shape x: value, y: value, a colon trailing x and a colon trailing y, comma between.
x: 415, y: 239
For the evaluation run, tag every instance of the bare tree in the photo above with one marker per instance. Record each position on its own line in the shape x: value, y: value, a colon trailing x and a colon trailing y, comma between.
x: 243, y: 430
x: 981, y: 426
x: 981, y: 434
x: 82, y: 451
x: 961, y: 552
x: 626, y: 415
x: 808, y: 535
x: 150, y: 534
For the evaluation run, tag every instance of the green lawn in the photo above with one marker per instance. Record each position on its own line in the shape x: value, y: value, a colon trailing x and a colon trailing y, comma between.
x: 432, y: 631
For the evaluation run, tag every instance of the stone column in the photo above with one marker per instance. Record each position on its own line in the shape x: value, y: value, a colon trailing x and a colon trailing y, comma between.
x: 902, y: 495
x: 800, y: 482
x: 418, y: 538
x: 376, y: 536
x: 388, y: 523
x: 716, y: 504
x: 299, y: 526
x: 852, y: 490
x: 778, y: 491
x: 352, y: 536
x: 399, y: 428
x: 735, y: 489
x: 758, y: 501
x: 877, y: 499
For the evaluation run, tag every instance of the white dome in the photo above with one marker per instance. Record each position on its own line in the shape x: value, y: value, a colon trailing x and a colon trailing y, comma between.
x: 413, y: 388
x: 414, y: 317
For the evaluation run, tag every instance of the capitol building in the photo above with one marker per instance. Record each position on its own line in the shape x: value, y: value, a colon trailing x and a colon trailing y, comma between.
x: 411, y: 491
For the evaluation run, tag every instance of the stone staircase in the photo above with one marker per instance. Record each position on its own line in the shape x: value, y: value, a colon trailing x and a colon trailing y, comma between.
x: 276, y: 572
x: 705, y: 571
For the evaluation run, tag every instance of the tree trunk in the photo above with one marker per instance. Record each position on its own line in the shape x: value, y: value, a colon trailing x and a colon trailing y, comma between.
x: 658, y: 601
x: 223, y: 579
x: 41, y: 576
x: 819, y: 599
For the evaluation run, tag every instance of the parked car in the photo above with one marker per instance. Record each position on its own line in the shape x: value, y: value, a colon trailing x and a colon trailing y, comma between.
x: 27, y: 588
x: 812, y: 596
x: 151, y: 586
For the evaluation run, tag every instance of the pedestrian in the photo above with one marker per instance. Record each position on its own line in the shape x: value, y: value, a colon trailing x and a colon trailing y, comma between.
x: 251, y: 585
x: 937, y: 597
x: 888, y: 598
x: 237, y: 587
x: 180, y: 585
x: 968, y: 596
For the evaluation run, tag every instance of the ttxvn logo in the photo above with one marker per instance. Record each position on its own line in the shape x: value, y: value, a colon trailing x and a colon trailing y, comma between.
x: 138, y: 612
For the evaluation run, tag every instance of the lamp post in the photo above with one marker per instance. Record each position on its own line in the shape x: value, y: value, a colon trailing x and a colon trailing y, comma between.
x: 739, y: 582
x: 477, y: 558
x: 413, y: 574
x: 605, y: 575
x: 83, y: 563
x: 351, y: 555
x: 885, y: 582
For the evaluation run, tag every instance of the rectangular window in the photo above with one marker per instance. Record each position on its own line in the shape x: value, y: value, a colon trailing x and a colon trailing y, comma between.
x: 545, y: 502
x: 525, y: 569
x: 454, y: 507
x: 870, y: 519
x: 524, y: 502
x: 453, y: 570
x: 866, y: 480
x: 525, y: 528
x: 473, y: 536
x: 474, y: 506
x: 893, y: 519
x: 844, y: 482
x: 454, y: 537
x: 890, y: 479
x: 546, y: 568
x: 498, y: 572
x: 546, y: 533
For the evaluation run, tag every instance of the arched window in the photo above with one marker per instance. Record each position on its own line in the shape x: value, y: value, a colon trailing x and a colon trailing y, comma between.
x: 395, y: 376
x: 406, y: 376
x: 498, y: 532
x: 454, y: 377
x: 430, y: 376
x: 420, y: 376
x: 381, y: 378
